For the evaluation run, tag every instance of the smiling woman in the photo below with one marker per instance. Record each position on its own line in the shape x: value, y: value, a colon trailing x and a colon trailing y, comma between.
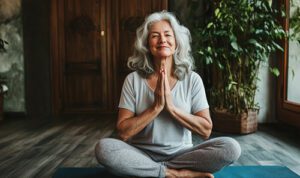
x: 162, y: 102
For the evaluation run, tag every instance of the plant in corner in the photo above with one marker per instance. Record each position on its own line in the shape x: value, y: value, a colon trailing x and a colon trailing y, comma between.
x: 236, y: 39
x: 3, y: 87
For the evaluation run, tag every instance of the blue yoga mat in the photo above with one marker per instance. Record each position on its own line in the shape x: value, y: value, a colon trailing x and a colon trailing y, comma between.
x: 256, y: 172
x: 228, y: 172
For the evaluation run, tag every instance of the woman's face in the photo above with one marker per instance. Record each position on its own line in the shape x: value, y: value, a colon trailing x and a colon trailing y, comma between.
x: 161, y: 39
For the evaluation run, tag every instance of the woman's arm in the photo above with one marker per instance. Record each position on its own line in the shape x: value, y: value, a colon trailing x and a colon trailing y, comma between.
x: 199, y: 122
x: 129, y: 125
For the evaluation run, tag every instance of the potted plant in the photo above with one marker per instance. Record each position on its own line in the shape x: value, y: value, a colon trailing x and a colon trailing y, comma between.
x: 3, y: 87
x: 236, y: 39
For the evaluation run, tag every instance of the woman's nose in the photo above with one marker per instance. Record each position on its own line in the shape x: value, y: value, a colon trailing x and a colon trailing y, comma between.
x: 162, y: 39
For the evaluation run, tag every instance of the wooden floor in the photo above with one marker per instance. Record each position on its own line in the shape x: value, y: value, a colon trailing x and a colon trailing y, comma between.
x: 37, y: 148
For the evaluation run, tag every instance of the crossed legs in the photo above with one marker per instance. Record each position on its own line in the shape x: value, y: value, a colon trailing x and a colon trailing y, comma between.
x: 198, y: 161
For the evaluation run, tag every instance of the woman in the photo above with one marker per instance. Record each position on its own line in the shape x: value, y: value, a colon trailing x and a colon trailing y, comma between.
x: 161, y: 103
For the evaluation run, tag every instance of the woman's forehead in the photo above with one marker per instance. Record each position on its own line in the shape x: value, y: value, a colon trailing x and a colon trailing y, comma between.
x: 160, y: 26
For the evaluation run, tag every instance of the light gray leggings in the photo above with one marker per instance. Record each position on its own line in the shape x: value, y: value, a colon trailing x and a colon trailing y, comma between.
x: 123, y: 159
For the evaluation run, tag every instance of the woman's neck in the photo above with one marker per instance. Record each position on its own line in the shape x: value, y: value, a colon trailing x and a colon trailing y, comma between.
x: 164, y: 63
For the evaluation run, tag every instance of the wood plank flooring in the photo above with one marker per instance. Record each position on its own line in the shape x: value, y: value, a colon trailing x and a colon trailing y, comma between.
x: 270, y: 145
x: 32, y: 148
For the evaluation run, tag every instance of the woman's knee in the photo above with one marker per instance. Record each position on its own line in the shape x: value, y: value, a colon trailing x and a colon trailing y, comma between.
x: 231, y: 148
x: 103, y: 149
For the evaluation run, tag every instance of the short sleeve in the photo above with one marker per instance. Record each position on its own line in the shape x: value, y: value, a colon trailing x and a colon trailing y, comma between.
x: 127, y: 98
x: 199, y: 100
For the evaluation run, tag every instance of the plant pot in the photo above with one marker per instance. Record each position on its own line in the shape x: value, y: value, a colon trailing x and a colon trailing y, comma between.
x: 226, y: 122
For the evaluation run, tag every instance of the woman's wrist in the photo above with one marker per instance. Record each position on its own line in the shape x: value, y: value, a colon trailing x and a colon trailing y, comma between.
x: 157, y: 108
x: 172, y: 109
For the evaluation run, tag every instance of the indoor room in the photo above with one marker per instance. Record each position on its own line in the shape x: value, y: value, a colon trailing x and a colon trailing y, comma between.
x: 150, y: 88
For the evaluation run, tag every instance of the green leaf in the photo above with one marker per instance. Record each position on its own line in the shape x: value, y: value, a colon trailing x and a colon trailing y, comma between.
x: 233, y: 37
x: 277, y: 46
x: 229, y: 86
x: 208, y: 60
x: 275, y: 71
x: 217, y: 11
x: 252, y: 41
x: 234, y: 45
x: 259, y: 31
x: 220, y: 65
x: 209, y: 25
x: 258, y: 45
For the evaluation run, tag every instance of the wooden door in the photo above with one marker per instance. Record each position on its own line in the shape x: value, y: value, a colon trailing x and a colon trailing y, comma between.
x: 91, y: 41
x: 288, y: 100
x: 79, y: 57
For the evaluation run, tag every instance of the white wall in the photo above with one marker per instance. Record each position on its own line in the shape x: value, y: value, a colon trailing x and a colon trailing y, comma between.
x: 266, y: 95
x: 293, y: 87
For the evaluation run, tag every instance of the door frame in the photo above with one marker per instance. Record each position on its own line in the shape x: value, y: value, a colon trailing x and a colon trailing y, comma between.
x: 54, y: 57
x: 287, y: 111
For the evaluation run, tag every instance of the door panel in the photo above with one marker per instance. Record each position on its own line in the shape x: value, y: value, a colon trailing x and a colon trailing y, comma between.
x: 80, y: 59
x: 84, y: 56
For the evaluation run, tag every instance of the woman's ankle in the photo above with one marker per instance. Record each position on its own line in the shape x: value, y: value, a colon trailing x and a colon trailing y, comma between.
x: 186, y: 173
x: 171, y: 172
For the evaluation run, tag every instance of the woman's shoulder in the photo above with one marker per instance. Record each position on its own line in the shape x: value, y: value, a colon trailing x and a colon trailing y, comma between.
x: 193, y: 76
x: 133, y: 77
x: 191, y: 79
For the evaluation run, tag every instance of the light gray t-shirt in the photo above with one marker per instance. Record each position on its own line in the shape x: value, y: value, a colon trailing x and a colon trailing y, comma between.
x: 164, y: 135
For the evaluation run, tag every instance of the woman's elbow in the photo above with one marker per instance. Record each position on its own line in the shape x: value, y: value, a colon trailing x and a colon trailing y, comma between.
x: 122, y: 134
x: 207, y: 132
x: 206, y: 135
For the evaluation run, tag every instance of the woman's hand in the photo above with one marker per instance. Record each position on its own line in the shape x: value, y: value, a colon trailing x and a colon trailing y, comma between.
x: 162, y: 93
x: 168, y: 95
x: 159, y: 93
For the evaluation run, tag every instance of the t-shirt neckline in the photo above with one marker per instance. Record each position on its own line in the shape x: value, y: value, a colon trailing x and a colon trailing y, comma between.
x: 149, y: 88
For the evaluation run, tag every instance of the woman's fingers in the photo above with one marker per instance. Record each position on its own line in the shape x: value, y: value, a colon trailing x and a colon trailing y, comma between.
x: 162, y: 82
x: 159, y: 92
x: 166, y: 83
x: 167, y: 93
x: 162, y: 87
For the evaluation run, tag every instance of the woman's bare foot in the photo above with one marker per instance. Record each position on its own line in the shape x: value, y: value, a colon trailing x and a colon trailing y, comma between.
x: 185, y: 173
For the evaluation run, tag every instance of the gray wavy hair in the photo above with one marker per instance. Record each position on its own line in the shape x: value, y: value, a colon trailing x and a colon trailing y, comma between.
x: 141, y: 60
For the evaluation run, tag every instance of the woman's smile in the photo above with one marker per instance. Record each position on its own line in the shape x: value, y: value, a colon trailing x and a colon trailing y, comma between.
x: 162, y: 47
